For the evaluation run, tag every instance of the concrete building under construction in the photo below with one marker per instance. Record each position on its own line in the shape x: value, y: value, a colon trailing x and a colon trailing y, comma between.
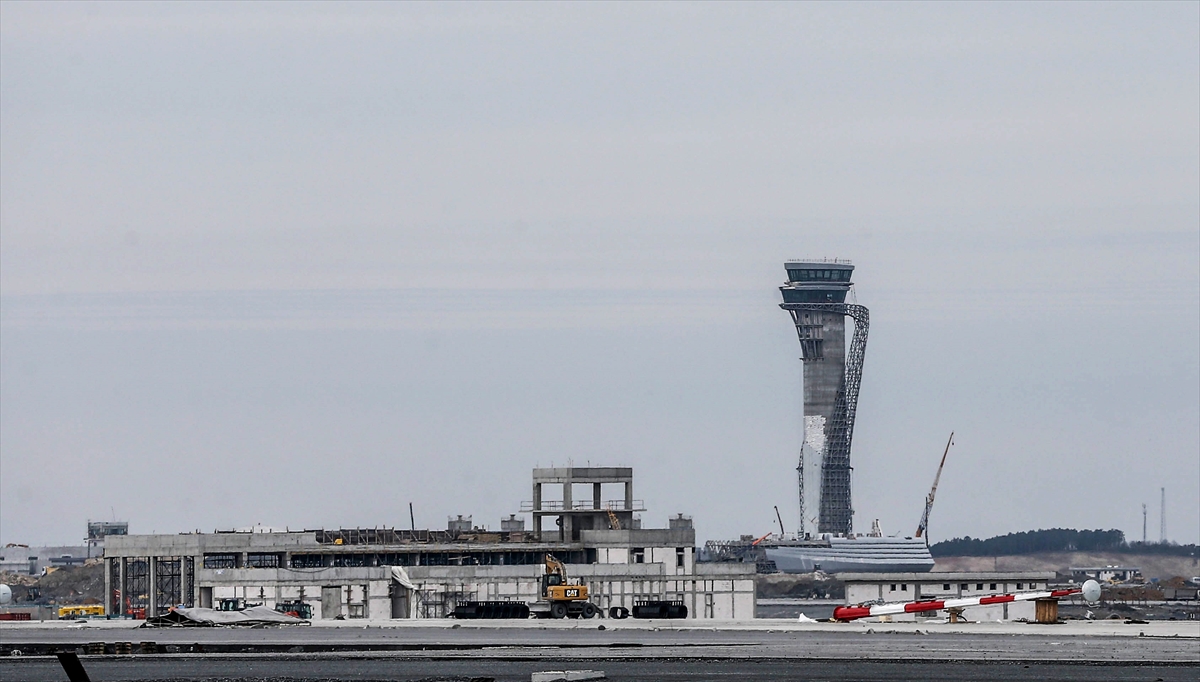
x: 815, y: 297
x: 390, y: 573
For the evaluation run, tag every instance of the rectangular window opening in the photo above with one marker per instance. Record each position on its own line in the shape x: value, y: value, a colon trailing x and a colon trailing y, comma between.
x: 255, y: 560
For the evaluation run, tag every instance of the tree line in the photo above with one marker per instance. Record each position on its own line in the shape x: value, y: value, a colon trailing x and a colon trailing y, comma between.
x: 1056, y: 540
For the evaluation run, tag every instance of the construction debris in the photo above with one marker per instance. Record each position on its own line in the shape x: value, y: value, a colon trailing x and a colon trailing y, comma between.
x: 254, y: 616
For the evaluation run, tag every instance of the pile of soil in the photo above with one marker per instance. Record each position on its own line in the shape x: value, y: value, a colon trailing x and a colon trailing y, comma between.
x: 73, y: 585
x: 799, y: 586
x: 1158, y: 566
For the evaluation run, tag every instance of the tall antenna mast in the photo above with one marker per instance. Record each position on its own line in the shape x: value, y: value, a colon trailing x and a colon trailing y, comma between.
x: 1143, y: 523
x: 1162, y: 517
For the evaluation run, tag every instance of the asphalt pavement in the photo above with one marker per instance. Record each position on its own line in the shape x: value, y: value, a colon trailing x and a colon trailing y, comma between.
x: 645, y: 650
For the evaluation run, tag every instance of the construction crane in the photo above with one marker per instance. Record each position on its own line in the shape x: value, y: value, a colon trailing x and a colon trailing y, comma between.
x: 924, y: 525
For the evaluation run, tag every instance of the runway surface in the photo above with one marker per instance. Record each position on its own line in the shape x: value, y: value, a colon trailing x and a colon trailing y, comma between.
x: 45, y: 670
x: 624, y: 650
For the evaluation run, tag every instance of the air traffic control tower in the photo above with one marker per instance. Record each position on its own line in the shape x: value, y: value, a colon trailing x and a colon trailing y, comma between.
x: 815, y: 297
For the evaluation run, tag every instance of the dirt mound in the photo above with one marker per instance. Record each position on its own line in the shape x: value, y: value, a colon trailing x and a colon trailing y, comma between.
x: 1152, y: 565
x: 799, y: 585
x: 74, y: 585
x: 15, y: 579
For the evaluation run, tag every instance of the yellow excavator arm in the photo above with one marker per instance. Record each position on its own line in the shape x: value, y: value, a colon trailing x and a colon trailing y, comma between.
x: 556, y: 587
x: 555, y: 567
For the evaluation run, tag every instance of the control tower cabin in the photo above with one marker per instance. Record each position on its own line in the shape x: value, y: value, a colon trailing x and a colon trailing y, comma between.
x: 815, y: 297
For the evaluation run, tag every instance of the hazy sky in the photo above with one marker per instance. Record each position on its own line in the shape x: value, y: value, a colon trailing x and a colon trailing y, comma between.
x: 303, y: 264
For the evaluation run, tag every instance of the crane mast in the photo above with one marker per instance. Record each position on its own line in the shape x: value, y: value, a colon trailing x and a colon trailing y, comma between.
x: 924, y: 525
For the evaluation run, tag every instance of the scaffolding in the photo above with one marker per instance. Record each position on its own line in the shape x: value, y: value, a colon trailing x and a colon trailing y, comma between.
x: 836, y: 509
x: 136, y: 595
x: 168, y: 583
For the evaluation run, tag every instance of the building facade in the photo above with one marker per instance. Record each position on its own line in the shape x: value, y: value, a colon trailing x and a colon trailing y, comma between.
x: 389, y: 573
x: 879, y: 588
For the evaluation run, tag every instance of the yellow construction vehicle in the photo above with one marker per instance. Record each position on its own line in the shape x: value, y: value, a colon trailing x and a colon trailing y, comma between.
x: 561, y: 598
x: 80, y: 611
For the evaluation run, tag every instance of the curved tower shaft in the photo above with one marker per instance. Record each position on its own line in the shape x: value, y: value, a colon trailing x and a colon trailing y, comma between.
x: 815, y: 297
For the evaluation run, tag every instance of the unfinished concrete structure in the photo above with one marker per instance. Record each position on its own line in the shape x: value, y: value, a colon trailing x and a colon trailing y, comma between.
x: 571, y: 515
x: 389, y: 573
x: 815, y: 297
x: 865, y: 588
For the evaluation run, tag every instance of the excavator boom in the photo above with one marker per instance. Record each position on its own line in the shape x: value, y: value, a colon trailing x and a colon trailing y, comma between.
x: 554, y: 566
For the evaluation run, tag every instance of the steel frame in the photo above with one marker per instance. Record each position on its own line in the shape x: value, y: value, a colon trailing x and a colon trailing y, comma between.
x: 168, y: 583
x: 135, y: 593
x: 836, y: 508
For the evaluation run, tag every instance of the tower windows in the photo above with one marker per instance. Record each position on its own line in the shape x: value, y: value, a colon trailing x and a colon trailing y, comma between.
x: 839, y: 275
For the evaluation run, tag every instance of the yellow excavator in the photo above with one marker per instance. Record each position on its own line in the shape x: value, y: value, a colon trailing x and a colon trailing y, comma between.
x: 561, y: 598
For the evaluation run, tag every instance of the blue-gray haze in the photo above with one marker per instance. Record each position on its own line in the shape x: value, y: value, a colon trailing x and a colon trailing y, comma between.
x: 303, y: 264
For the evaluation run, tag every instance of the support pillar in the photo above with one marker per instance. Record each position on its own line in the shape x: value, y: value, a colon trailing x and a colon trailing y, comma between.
x: 187, y: 579
x: 568, y: 504
x: 152, y: 590
x: 109, y: 606
x: 537, y: 508
x: 122, y: 587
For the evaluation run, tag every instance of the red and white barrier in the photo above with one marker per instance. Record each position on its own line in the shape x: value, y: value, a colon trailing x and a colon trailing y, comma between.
x: 846, y: 613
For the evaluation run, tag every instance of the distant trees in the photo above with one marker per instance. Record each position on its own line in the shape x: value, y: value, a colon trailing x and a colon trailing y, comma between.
x: 1055, y: 540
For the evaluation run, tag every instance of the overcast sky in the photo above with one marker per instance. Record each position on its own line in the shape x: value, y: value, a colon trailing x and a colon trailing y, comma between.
x: 303, y: 264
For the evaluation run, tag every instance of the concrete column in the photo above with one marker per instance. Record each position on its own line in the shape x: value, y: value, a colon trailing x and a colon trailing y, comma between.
x: 152, y: 592
x: 184, y: 596
x: 596, y: 494
x: 537, y: 506
x: 121, y: 587
x: 628, y: 495
x: 197, y: 562
x: 108, y: 586
x: 565, y: 533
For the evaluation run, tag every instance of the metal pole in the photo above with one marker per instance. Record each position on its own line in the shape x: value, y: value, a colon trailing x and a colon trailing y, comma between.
x: 1162, y: 519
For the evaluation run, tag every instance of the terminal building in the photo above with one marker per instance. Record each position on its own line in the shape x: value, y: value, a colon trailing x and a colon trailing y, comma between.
x: 380, y: 573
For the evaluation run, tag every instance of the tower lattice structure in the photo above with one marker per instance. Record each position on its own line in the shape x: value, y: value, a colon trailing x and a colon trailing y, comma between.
x: 815, y: 297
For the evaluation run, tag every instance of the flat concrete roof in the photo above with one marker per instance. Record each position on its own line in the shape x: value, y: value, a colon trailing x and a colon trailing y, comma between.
x: 818, y: 263
x: 583, y: 474
x: 947, y: 577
